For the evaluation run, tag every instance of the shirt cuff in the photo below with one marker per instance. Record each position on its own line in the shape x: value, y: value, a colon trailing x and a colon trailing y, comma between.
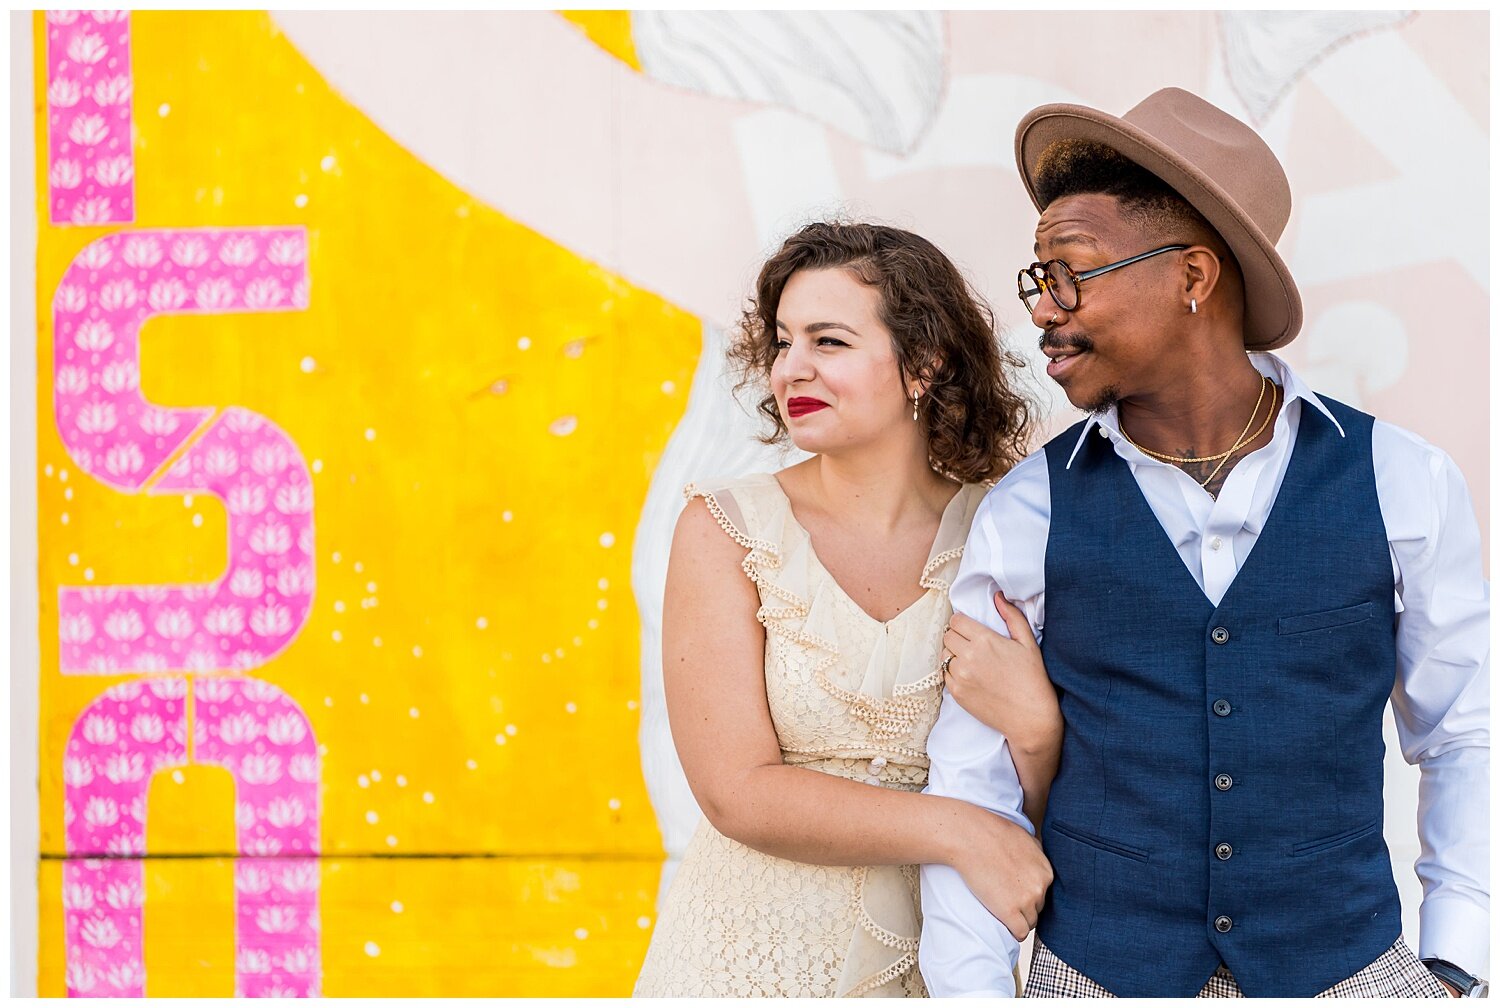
x: 1457, y: 930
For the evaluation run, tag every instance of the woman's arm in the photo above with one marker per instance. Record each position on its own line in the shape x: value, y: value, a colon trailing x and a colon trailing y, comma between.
x: 713, y: 657
x: 1002, y: 682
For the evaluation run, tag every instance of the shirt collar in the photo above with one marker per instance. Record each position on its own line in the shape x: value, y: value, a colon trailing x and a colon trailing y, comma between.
x: 1265, y: 362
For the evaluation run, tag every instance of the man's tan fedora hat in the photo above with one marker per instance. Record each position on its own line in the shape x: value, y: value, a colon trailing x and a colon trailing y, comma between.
x: 1216, y: 163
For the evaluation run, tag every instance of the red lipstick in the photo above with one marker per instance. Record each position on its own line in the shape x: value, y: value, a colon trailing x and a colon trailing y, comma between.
x: 803, y: 405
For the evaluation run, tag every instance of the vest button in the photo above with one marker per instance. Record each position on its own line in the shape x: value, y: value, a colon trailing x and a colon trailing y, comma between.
x: 1222, y: 924
x: 1223, y: 782
x: 1219, y: 635
x: 1222, y: 708
x: 1223, y: 852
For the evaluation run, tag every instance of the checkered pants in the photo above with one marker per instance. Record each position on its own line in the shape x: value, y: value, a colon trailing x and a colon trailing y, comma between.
x: 1397, y: 973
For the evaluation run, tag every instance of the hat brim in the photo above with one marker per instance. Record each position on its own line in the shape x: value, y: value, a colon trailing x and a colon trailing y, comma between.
x: 1273, y: 307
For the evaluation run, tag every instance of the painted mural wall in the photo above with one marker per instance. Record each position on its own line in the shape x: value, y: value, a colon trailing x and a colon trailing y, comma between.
x: 374, y: 350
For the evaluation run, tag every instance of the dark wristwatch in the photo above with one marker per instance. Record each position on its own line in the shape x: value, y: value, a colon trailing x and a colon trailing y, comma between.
x: 1466, y: 984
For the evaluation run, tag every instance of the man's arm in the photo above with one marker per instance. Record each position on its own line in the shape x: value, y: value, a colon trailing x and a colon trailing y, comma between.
x: 1441, y: 697
x: 964, y: 950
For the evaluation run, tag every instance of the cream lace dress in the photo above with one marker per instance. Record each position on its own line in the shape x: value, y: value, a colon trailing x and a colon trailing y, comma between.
x: 850, y: 696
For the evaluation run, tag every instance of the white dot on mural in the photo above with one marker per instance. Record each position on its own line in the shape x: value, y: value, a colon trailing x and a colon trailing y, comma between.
x: 481, y: 622
x: 396, y: 906
x: 336, y: 557
x: 369, y: 433
x: 376, y: 642
x: 400, y: 781
x: 604, y: 584
x: 524, y: 343
x: 187, y: 500
x: 363, y: 780
x: 643, y: 922
x: 48, y: 469
x: 581, y: 934
x: 578, y: 642
x: 427, y: 797
x: 570, y: 707
x: 364, y: 698
x: 62, y: 474
x: 338, y: 605
x: 327, y: 163
x: 631, y: 705
x: 64, y: 517
x: 300, y: 201
x: 371, y: 949
x: 471, y: 764
x: 308, y: 364
x: 546, y: 659
x: 390, y: 841
x: 73, y: 559
x: 317, y: 467
x: 614, y: 804
x: 164, y: 110
x: 88, y: 573
x: 67, y: 493
x: 414, y: 712
x: 510, y: 730
x: 197, y: 521
x: 416, y: 652
x: 370, y: 587
x: 506, y: 516
x: 602, y: 603
x: 563, y: 426
x: 607, y: 540
x: 372, y: 817
x: 328, y: 701
x: 337, y: 636
x: 593, y: 624
x: 177, y: 776
x: 322, y: 749
x: 668, y: 387
x: 375, y: 775
x: 359, y: 567
x: 499, y: 739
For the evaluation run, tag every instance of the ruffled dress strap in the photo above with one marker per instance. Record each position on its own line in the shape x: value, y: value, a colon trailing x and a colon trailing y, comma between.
x: 754, y: 511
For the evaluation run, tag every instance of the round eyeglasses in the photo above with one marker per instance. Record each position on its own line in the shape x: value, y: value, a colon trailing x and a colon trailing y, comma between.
x: 1062, y: 284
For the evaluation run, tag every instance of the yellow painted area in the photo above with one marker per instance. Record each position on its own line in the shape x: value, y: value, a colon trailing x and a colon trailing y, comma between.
x: 482, y: 411
x: 610, y: 31
x: 398, y: 927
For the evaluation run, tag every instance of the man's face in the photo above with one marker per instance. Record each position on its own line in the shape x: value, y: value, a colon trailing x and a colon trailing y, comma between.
x: 1119, y: 341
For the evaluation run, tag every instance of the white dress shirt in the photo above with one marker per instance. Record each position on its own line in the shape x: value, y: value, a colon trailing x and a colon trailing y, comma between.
x: 1440, y: 699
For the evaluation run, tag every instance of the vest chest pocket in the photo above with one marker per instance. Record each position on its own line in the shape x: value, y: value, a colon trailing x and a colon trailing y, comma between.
x: 1325, y: 620
x: 1098, y: 842
x: 1335, y: 840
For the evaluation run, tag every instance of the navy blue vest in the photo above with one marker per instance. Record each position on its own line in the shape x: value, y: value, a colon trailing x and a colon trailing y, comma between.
x: 1220, y: 791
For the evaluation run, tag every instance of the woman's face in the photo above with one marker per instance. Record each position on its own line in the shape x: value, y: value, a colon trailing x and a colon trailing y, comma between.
x: 836, y: 380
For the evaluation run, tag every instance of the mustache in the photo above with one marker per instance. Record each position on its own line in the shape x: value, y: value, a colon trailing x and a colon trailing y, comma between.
x: 1064, y: 341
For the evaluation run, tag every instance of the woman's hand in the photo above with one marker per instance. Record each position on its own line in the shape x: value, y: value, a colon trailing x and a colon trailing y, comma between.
x: 1002, y: 681
x: 1004, y: 867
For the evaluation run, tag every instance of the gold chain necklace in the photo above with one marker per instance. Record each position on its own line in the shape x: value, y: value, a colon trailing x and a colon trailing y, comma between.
x: 1264, y: 381
x: 1242, y: 443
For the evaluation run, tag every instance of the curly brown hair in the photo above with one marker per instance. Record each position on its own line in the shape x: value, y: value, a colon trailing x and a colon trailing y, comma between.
x: 943, y: 334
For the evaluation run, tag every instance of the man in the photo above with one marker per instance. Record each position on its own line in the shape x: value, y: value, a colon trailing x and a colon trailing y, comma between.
x: 1234, y: 574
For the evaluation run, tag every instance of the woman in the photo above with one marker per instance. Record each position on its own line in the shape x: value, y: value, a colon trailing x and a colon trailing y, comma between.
x: 803, y: 633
